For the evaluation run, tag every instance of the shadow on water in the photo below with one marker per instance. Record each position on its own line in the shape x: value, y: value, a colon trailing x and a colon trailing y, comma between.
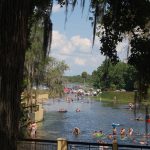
x: 94, y: 116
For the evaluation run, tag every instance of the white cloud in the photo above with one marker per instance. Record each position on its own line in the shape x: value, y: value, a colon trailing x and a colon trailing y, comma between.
x: 67, y: 46
x: 80, y: 61
x: 58, y: 40
x: 61, y: 44
x: 82, y: 43
x: 56, y: 8
x: 122, y: 46
x: 77, y: 52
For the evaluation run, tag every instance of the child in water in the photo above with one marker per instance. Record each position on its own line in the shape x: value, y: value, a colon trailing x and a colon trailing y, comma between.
x: 114, y: 131
x: 130, y: 132
x: 76, y: 131
x: 123, y: 132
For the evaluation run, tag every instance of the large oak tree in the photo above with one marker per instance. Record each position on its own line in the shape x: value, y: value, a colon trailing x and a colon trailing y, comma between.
x: 115, y: 20
x: 16, y: 19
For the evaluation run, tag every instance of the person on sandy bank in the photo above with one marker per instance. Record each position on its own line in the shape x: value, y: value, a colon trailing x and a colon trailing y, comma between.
x: 76, y: 131
x: 33, y: 129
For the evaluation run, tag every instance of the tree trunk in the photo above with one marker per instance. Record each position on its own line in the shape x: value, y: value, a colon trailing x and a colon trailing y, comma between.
x: 14, y: 17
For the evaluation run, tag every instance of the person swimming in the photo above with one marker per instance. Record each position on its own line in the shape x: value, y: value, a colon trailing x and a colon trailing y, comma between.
x: 142, y: 142
x: 110, y: 136
x: 130, y: 131
x: 94, y: 133
x: 98, y: 133
x: 77, y: 110
x: 114, y: 131
x: 123, y: 132
x: 130, y: 105
x: 76, y: 131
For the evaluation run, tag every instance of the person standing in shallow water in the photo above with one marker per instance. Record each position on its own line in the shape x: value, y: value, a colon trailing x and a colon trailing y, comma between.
x: 114, y: 131
x: 123, y: 133
x: 130, y: 132
x: 33, y: 129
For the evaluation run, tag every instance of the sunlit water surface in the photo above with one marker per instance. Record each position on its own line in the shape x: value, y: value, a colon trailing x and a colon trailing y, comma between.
x: 94, y: 115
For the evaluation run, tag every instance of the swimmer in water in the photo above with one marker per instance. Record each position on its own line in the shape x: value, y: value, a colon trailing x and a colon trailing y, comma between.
x: 114, y: 131
x: 130, y: 132
x: 123, y: 132
x: 76, y: 131
x: 110, y: 136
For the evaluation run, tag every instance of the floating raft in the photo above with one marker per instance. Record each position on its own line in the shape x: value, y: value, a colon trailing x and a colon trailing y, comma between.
x: 114, y: 125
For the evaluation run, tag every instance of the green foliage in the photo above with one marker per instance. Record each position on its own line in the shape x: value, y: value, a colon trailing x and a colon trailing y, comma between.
x: 84, y: 75
x: 34, y: 59
x: 40, y: 70
x: 115, y: 20
x: 54, y: 77
x: 119, y: 76
x: 78, y: 79
x: 73, y: 79
x: 120, y: 97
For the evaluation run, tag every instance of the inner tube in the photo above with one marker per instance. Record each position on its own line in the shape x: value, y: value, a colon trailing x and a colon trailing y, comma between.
x: 148, y: 120
x: 99, y: 135
x: 62, y: 111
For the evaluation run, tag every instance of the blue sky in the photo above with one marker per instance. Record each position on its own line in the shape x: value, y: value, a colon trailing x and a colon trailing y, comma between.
x: 72, y: 42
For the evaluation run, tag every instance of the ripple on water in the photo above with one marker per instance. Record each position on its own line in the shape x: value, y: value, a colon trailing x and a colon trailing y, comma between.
x: 93, y: 116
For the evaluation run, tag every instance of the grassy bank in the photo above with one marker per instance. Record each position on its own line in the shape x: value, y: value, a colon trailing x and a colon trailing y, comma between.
x: 120, y: 97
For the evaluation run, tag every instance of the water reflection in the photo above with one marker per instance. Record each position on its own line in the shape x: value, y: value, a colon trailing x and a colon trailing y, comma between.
x: 94, y: 115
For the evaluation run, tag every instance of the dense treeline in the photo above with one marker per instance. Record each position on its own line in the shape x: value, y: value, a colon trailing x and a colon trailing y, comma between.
x: 42, y: 70
x: 78, y: 79
x: 74, y: 79
x: 119, y: 76
x: 109, y: 77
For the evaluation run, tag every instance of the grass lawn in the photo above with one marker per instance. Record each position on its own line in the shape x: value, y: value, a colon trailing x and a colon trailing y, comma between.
x: 120, y: 97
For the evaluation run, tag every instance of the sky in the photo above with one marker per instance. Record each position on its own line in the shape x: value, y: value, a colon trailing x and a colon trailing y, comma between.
x: 72, y: 41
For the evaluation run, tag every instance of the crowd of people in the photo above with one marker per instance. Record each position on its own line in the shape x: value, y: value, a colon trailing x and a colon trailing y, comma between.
x: 122, y: 133
x: 116, y: 132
